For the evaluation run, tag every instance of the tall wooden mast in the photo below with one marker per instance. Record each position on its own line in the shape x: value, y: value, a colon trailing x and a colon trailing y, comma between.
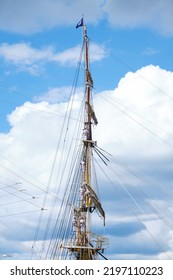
x: 86, y: 245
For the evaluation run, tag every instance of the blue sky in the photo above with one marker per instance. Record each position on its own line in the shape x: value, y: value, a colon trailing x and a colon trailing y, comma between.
x: 131, y: 46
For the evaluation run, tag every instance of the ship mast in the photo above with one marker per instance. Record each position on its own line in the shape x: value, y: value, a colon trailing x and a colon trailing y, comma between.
x: 88, y: 85
x: 86, y: 245
x: 88, y: 144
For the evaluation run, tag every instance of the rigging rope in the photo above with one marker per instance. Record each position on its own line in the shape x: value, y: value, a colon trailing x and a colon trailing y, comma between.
x: 65, y: 127
x: 136, y: 121
x: 126, y: 203
x: 133, y: 70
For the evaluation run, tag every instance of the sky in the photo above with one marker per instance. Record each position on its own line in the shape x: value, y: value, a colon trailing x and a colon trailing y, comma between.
x: 131, y: 46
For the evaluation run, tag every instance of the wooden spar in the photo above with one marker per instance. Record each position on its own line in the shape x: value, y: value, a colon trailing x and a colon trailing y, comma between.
x: 87, y: 86
x: 85, y: 245
x: 89, y: 129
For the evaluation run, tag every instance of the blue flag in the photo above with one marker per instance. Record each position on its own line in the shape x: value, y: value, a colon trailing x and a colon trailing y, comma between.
x: 80, y: 23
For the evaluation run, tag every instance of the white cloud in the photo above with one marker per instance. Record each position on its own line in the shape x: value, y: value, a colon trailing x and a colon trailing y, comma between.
x: 27, y: 58
x: 57, y: 95
x: 23, y: 53
x: 71, y: 56
x: 143, y: 96
x: 152, y: 14
x: 28, y: 149
x: 35, y: 16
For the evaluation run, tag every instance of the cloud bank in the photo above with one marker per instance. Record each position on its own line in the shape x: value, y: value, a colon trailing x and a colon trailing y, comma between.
x: 135, y: 126
x: 152, y: 14
x: 35, y: 16
x: 27, y: 58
